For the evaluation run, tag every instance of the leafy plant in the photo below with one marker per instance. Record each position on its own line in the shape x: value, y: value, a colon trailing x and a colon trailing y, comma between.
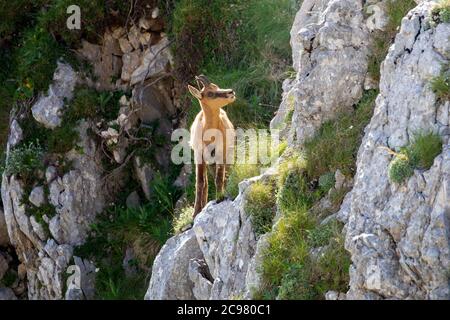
x: 419, y: 154
x: 24, y: 160
x: 183, y: 219
x: 327, y: 181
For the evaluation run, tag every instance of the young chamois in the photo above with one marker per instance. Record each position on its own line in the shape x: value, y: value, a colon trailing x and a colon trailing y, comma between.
x: 212, y: 137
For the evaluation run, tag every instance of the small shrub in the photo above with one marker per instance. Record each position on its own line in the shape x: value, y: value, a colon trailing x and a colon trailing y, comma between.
x: 400, y: 169
x: 84, y: 105
x: 36, y: 61
x: 320, y: 236
x: 441, y: 84
x: 184, y: 218
x: 62, y: 139
x: 420, y: 154
x: 260, y: 206
x: 424, y: 148
x: 327, y: 181
x: 24, y: 160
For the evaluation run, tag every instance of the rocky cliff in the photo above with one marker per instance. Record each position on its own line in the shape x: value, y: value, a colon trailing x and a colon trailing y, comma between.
x: 50, y: 203
x: 356, y: 205
x: 397, y: 233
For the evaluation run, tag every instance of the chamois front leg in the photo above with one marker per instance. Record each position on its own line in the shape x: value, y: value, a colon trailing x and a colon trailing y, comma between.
x: 220, y: 181
x: 201, y: 188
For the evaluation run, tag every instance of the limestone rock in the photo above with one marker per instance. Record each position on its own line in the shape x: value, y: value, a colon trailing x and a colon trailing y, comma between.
x: 37, y: 196
x: 330, y: 42
x: 50, y: 174
x: 15, y: 134
x: 7, y: 294
x: 170, y: 274
x: 48, y: 108
x: 216, y: 263
x: 200, y: 277
x: 155, y: 60
x: 81, y: 283
x: 152, y: 103
x: 77, y: 197
x: 144, y: 173
x: 133, y: 201
x: 131, y: 61
x: 105, y: 58
x: 398, y: 234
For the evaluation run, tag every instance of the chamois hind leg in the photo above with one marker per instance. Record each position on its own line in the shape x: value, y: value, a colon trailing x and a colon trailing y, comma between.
x: 220, y: 181
x: 201, y: 181
x: 205, y: 187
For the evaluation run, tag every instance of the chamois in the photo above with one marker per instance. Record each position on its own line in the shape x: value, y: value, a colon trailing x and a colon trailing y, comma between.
x: 211, y: 133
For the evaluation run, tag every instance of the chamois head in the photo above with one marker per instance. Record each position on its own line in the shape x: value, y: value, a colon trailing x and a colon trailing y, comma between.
x: 210, y: 94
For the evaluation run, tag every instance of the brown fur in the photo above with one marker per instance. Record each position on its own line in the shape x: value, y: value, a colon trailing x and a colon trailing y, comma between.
x: 212, y: 99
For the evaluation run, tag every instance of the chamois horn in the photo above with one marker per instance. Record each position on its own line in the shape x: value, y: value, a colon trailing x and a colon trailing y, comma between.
x: 203, y: 80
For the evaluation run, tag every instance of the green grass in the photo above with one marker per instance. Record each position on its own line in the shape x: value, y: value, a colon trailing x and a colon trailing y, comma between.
x: 441, y: 84
x: 336, y: 144
x: 239, y: 44
x: 395, y: 11
x: 260, y: 206
x: 24, y: 160
x: 289, y: 270
x: 441, y: 13
x: 419, y: 154
x: 238, y: 173
x: 144, y: 230
x: 183, y: 219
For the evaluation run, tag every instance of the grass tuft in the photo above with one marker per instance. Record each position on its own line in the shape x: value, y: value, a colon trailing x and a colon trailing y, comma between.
x: 260, y: 206
x: 420, y: 154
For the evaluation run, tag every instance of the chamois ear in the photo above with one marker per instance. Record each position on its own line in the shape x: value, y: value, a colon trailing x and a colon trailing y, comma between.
x: 195, y: 92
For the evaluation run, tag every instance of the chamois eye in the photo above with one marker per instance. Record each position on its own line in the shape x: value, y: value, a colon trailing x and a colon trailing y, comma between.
x: 210, y: 94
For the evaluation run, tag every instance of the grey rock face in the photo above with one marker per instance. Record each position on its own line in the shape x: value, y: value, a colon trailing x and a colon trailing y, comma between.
x: 398, y: 234
x: 211, y: 260
x: 37, y: 196
x: 77, y: 197
x: 7, y: 294
x: 225, y: 236
x: 48, y: 109
x: 15, y: 134
x: 330, y: 42
x: 170, y: 272
x: 81, y: 283
x: 154, y: 62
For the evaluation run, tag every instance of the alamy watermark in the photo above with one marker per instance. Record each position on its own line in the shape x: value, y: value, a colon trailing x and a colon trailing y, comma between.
x: 73, y: 22
x: 240, y: 146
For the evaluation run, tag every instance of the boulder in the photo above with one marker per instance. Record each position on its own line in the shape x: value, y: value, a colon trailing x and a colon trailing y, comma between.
x: 48, y: 108
x: 170, y: 273
x: 7, y: 294
x: 154, y: 62
x: 37, y: 196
